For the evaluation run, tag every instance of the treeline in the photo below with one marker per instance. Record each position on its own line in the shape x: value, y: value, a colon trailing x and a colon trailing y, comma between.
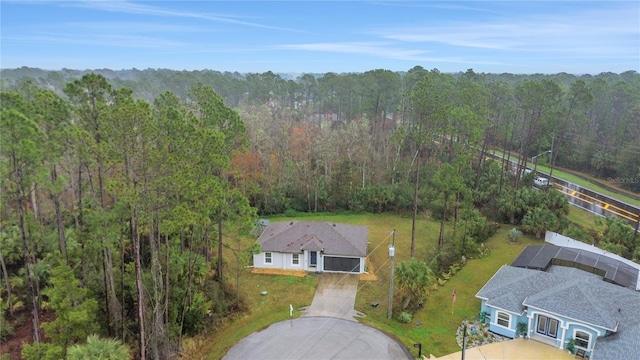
x: 130, y: 193
x: 112, y: 211
x: 591, y: 122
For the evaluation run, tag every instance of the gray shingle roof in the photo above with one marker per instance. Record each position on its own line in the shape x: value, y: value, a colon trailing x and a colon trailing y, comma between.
x: 574, y: 298
x: 333, y: 239
x: 576, y: 294
x: 510, y: 286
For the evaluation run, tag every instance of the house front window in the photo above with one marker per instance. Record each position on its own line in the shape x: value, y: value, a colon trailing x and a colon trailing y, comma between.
x: 582, y: 339
x: 267, y: 258
x: 295, y: 259
x: 503, y: 319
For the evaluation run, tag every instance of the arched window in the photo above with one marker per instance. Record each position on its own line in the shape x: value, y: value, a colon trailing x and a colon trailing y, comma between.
x: 582, y: 339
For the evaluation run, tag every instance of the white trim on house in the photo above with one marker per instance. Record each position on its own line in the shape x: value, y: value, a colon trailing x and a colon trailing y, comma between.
x: 589, y: 341
x: 295, y: 259
x: 498, y: 319
x: 485, y: 284
x: 576, y: 321
x: 534, y: 316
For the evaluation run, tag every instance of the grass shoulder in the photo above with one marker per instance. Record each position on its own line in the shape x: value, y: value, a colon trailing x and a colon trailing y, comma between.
x: 264, y: 310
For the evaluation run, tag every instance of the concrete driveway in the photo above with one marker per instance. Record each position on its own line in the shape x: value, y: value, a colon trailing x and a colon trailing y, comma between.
x: 326, y: 331
x: 335, y: 297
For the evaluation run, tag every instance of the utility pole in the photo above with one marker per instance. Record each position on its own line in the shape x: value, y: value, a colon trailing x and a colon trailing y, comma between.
x: 464, y: 341
x: 535, y: 162
x: 553, y: 156
x: 635, y: 234
x: 392, y: 253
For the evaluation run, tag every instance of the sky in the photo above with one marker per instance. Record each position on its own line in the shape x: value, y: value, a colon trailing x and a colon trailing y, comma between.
x: 520, y: 37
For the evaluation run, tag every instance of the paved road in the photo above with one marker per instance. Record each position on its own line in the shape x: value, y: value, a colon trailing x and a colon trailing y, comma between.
x: 326, y: 331
x: 591, y: 200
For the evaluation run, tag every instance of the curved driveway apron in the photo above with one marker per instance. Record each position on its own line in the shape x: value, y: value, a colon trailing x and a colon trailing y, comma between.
x: 326, y: 331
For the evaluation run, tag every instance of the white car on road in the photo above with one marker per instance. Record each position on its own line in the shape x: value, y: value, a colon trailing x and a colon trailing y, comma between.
x: 540, y: 181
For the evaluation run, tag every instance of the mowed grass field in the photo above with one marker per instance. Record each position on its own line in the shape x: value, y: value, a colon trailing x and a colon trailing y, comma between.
x: 439, y: 319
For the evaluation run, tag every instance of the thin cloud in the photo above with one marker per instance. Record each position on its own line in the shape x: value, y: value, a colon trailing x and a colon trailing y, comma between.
x: 133, y: 8
x: 437, y: 5
x: 569, y: 32
x: 372, y: 48
x: 102, y: 40
x: 381, y: 50
x: 128, y: 27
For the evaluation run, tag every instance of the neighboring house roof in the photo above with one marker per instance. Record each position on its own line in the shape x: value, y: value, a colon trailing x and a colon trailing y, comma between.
x: 510, y: 286
x: 572, y: 293
x: 261, y: 224
x: 567, y: 242
x: 582, y: 296
x: 333, y: 239
x: 540, y: 257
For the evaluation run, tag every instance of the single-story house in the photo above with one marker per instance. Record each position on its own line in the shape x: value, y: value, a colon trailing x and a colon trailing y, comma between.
x: 313, y: 246
x: 563, y: 293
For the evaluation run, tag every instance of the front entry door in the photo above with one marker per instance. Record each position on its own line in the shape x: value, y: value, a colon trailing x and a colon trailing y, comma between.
x: 547, y: 326
x: 314, y: 258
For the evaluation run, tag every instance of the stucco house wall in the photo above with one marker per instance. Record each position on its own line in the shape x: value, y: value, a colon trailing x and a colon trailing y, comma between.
x: 313, y: 246
x: 278, y: 261
x: 560, y: 300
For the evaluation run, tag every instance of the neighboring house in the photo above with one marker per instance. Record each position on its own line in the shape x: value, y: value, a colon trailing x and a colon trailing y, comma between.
x: 565, y: 293
x: 313, y: 246
x: 260, y: 224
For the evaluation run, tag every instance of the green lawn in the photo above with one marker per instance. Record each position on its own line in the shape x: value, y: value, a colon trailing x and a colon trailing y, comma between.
x: 265, y: 309
x: 585, y: 219
x: 437, y: 332
x: 439, y: 318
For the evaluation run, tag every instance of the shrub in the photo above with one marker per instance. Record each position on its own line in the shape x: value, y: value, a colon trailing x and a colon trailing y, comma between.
x: 576, y: 232
x: 290, y: 213
x: 6, y: 329
x: 522, y: 328
x: 97, y: 348
x: 42, y: 351
x: 405, y: 317
x: 514, y: 235
x: 571, y: 345
x: 446, y: 257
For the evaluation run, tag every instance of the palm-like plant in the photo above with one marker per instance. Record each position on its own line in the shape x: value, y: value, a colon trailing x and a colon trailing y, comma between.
x: 97, y: 348
x: 512, y: 204
x: 539, y: 220
x: 415, y: 277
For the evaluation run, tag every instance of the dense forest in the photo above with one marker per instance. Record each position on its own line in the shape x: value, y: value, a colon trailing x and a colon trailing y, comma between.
x: 121, y: 189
